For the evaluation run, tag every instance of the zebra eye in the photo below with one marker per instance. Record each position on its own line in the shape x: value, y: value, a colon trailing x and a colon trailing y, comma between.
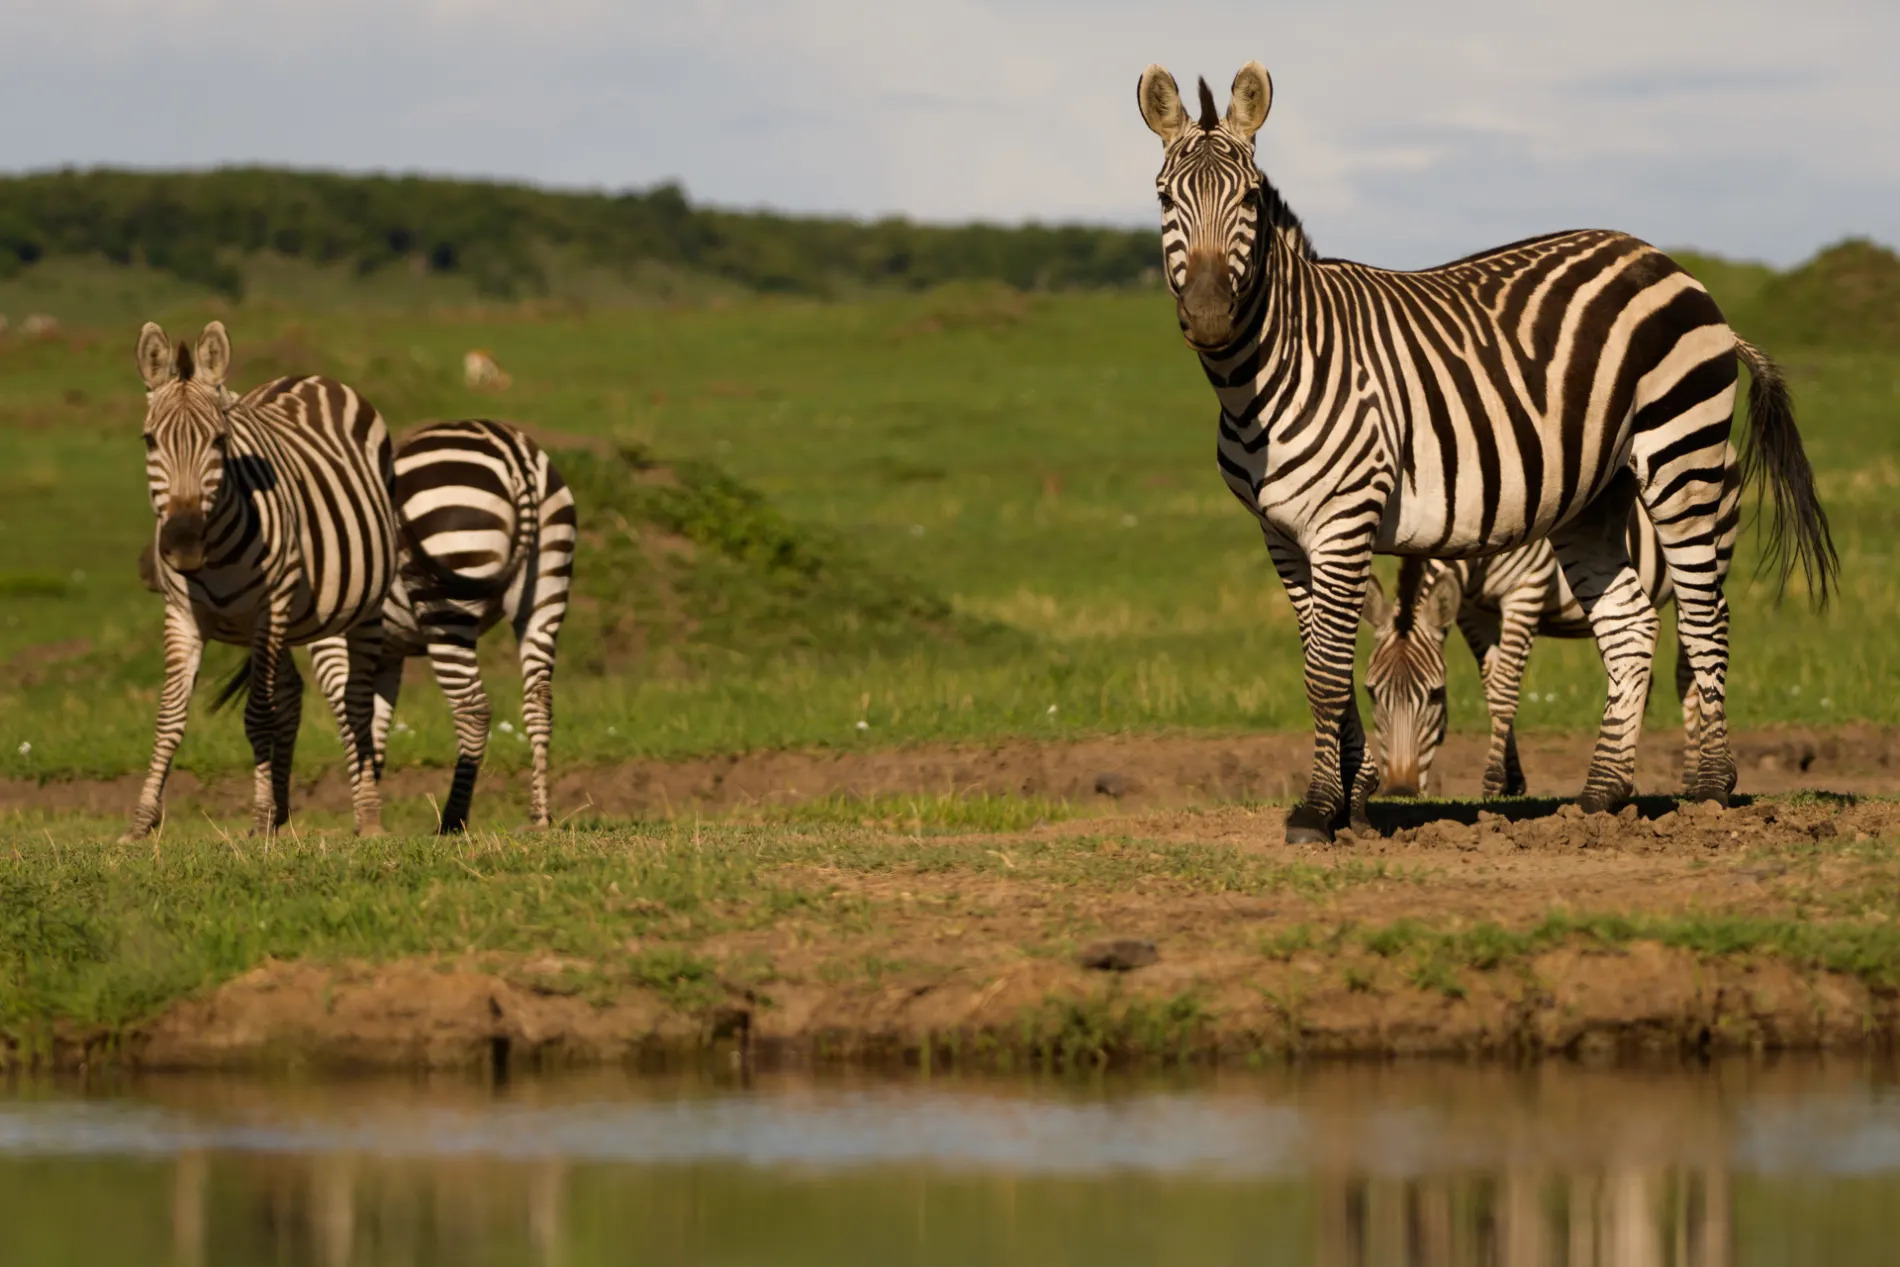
x: 1167, y: 200
x: 1251, y: 198
x: 151, y: 442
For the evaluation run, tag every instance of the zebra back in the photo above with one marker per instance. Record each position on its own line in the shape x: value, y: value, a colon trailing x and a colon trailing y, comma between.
x: 468, y: 495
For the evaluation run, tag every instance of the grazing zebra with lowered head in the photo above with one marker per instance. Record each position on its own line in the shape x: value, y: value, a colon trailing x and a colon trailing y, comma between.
x: 486, y: 533
x: 1533, y: 391
x: 1500, y: 604
x: 274, y: 529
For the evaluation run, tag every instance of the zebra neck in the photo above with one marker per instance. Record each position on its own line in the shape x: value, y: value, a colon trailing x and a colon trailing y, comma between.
x: 1270, y: 327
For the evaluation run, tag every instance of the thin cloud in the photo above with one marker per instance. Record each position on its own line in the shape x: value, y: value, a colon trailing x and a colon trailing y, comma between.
x: 1401, y: 132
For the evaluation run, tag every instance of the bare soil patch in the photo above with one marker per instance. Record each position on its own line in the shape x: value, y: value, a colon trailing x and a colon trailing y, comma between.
x: 1365, y: 950
x: 1111, y: 773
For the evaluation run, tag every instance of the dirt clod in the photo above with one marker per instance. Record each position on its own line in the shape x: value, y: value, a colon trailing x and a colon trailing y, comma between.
x: 1119, y: 954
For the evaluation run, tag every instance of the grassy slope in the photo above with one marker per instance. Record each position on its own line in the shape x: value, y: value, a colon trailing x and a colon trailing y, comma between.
x: 1045, y: 462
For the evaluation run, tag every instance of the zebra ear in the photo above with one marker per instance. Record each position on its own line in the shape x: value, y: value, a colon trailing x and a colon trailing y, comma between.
x: 1378, y: 608
x: 1441, y: 605
x: 1160, y: 100
x: 1252, y: 98
x: 214, y: 355
x: 155, y: 355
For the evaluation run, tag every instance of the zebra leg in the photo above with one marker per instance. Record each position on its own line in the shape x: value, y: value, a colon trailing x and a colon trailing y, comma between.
x: 1594, y: 554
x: 1691, y: 701
x: 1503, y: 688
x: 452, y: 656
x: 288, y: 717
x: 1692, y: 496
x: 536, y: 635
x: 388, y: 686
x: 1328, y: 589
x: 260, y: 721
x: 184, y: 648
x: 345, y: 667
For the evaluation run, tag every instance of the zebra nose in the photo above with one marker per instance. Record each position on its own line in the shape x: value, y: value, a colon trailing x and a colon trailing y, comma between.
x: 1207, y: 301
x: 181, y: 540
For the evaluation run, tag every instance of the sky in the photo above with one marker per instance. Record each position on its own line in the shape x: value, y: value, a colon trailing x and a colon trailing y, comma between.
x: 1403, y: 133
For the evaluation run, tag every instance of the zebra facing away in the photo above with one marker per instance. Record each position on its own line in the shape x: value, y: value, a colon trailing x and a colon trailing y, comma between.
x: 1500, y: 604
x: 1534, y: 391
x: 486, y: 533
x: 274, y: 529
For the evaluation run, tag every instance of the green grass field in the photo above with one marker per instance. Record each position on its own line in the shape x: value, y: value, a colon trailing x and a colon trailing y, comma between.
x: 1001, y: 512
x: 961, y: 515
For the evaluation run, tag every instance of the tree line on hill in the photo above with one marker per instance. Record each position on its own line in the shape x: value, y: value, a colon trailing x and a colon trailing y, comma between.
x: 199, y: 226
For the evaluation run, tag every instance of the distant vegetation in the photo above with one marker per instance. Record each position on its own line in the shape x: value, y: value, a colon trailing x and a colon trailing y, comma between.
x: 512, y: 240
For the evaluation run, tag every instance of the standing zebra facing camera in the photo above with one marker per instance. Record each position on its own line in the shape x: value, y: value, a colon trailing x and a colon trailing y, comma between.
x: 1500, y: 604
x: 486, y: 530
x: 1538, y: 390
x: 274, y: 529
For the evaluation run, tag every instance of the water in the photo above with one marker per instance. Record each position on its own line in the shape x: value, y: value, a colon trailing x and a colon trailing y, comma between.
x: 1795, y: 1163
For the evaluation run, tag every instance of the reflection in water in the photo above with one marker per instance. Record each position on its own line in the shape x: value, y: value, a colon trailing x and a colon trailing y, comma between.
x: 1398, y: 1165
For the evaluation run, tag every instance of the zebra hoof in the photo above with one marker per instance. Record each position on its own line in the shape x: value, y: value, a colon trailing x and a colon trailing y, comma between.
x: 1600, y: 802
x: 1304, y: 826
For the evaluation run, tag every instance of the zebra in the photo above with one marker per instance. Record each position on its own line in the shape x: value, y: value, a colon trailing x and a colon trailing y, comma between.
x: 486, y: 532
x: 274, y: 529
x: 1500, y: 604
x: 1537, y: 390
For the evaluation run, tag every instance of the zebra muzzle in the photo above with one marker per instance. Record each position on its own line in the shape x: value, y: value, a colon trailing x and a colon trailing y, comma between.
x: 181, y: 540
x: 1207, y: 302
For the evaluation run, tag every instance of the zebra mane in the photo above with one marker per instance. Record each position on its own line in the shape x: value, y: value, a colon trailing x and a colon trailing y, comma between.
x: 1278, y: 216
x: 1210, y: 116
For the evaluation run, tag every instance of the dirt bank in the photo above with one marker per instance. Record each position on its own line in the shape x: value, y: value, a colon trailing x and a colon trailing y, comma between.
x: 1122, y: 772
x: 1765, y: 927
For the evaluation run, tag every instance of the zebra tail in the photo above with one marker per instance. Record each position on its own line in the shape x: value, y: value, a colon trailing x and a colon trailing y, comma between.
x: 1775, y: 459
x: 235, y: 688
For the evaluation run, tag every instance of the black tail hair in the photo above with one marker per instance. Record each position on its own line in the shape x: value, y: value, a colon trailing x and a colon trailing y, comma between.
x: 235, y: 688
x: 1775, y: 460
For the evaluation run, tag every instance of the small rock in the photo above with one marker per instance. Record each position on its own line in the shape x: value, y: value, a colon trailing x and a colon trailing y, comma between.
x: 1627, y: 814
x: 1118, y: 954
x: 1109, y: 783
x: 1667, y: 822
x: 1570, y: 809
x: 1486, y: 818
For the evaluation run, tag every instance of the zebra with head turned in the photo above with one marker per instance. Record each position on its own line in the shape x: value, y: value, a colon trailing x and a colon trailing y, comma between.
x: 486, y: 533
x: 1533, y: 391
x: 1500, y: 604
x: 274, y: 530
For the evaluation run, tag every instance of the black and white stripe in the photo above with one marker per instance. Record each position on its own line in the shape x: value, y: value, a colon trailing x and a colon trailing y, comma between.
x: 274, y: 529
x: 1501, y: 604
x: 1535, y: 391
x: 487, y: 535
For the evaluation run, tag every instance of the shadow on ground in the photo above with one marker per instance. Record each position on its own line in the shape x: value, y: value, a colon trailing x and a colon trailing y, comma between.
x: 1397, y: 815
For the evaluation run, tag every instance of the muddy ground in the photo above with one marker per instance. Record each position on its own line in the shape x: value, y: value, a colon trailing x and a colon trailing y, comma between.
x: 1328, y: 952
x: 1112, y: 773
